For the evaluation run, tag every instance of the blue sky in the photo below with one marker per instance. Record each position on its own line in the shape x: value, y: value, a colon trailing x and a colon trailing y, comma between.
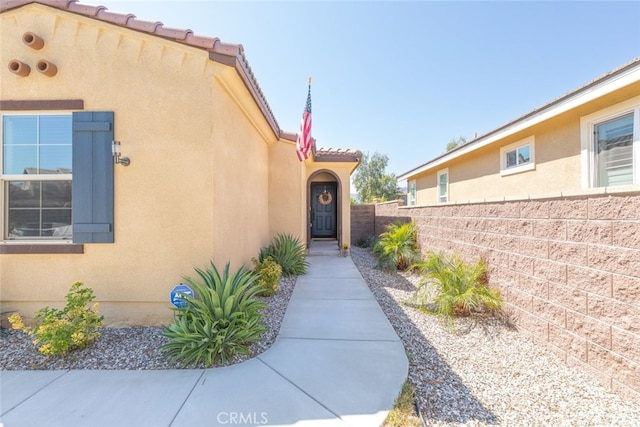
x: 404, y: 78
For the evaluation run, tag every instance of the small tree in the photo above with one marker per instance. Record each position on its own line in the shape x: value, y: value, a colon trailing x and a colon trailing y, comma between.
x: 373, y: 182
x: 456, y: 142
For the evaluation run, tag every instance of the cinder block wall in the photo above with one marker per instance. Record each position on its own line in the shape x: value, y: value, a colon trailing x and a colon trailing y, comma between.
x: 363, y: 222
x: 568, y: 267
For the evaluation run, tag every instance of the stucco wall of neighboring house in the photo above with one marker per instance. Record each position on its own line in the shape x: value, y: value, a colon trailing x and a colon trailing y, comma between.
x: 197, y: 150
x: 475, y: 176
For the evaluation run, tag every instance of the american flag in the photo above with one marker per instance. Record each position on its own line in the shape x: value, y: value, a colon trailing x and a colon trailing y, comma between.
x: 303, y: 144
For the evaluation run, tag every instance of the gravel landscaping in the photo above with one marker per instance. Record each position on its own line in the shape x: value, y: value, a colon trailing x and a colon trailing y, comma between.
x: 131, y: 348
x: 489, y: 374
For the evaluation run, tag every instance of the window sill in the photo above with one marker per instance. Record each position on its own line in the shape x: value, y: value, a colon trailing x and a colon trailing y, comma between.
x: 40, y: 248
x: 518, y: 169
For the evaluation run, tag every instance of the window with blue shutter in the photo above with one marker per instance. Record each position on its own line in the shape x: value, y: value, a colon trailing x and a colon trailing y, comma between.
x: 92, y: 191
x: 36, y: 176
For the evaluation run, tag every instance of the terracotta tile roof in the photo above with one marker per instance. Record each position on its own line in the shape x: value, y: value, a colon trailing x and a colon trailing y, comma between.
x: 229, y: 54
x: 337, y: 155
x: 327, y: 154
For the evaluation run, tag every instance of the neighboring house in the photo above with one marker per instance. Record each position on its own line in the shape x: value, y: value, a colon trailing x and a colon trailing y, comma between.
x: 586, y: 140
x: 212, y: 177
x: 551, y: 201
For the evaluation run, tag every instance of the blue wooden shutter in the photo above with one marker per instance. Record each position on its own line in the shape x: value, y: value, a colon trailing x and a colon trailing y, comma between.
x: 92, y: 188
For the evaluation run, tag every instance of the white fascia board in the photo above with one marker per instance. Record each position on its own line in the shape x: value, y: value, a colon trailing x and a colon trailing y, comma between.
x: 555, y: 108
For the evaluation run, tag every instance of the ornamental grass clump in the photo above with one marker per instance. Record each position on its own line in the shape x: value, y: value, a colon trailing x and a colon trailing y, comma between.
x: 60, y: 331
x: 397, y: 248
x: 220, y: 321
x: 269, y: 273
x: 289, y: 253
x: 461, y: 289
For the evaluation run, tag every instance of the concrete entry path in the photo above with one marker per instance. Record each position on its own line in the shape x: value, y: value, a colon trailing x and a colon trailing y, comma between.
x: 337, y: 362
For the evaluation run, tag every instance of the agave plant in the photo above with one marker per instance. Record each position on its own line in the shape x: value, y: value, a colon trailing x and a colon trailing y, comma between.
x: 289, y: 253
x: 462, y: 288
x: 219, y: 321
x: 397, y: 248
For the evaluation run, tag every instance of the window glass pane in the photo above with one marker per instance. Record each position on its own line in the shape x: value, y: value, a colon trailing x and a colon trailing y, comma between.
x: 20, y: 159
x: 55, y: 159
x: 511, y: 159
x: 55, y: 130
x: 614, y: 151
x: 56, y: 194
x: 19, y: 130
x: 37, y: 144
x: 524, y: 155
x: 24, y: 223
x: 412, y: 193
x: 23, y: 194
x: 442, y: 190
x: 38, y: 209
x: 56, y: 223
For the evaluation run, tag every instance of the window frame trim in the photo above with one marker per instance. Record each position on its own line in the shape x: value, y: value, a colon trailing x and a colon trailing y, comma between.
x: 588, y: 123
x: 529, y: 166
x: 413, y: 196
x: 439, y: 196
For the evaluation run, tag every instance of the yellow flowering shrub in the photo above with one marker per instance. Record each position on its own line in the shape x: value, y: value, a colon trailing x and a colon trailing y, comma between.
x: 269, y: 273
x: 60, y: 331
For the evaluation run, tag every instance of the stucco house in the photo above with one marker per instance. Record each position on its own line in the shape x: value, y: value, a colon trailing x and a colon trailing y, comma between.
x: 587, y: 140
x: 132, y: 152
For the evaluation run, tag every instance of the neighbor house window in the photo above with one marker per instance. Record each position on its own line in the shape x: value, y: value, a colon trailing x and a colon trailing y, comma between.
x: 412, y: 193
x: 518, y: 157
x: 443, y: 186
x: 611, y: 146
x: 36, y: 177
x: 614, y: 151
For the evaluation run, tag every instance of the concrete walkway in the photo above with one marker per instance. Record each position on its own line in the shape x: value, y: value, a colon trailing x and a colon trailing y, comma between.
x: 336, y: 362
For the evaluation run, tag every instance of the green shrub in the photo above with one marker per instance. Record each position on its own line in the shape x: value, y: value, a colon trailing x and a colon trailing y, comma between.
x: 462, y: 289
x: 367, y: 242
x: 60, y: 331
x: 269, y: 273
x: 397, y: 248
x: 289, y: 253
x: 219, y: 322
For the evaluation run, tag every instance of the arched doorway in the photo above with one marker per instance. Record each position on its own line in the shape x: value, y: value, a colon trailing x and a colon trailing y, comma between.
x: 324, y: 206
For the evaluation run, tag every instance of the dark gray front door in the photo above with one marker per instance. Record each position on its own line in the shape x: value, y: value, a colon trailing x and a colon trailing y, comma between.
x: 323, y: 210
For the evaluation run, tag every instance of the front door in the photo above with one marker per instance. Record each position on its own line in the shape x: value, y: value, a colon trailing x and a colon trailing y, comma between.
x: 323, y: 210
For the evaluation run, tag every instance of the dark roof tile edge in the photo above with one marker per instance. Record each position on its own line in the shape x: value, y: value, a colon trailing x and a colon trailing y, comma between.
x: 158, y: 29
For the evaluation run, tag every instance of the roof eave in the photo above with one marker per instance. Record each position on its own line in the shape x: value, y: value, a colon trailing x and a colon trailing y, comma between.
x: 238, y: 61
x: 614, y: 80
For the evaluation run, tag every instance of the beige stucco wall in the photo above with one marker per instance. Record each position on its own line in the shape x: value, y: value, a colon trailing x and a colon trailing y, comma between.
x: 198, y: 146
x: 475, y: 176
x: 208, y: 180
x: 287, y: 205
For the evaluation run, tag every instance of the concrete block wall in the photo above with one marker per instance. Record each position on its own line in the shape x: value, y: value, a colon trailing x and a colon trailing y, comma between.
x: 363, y: 222
x: 568, y: 267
